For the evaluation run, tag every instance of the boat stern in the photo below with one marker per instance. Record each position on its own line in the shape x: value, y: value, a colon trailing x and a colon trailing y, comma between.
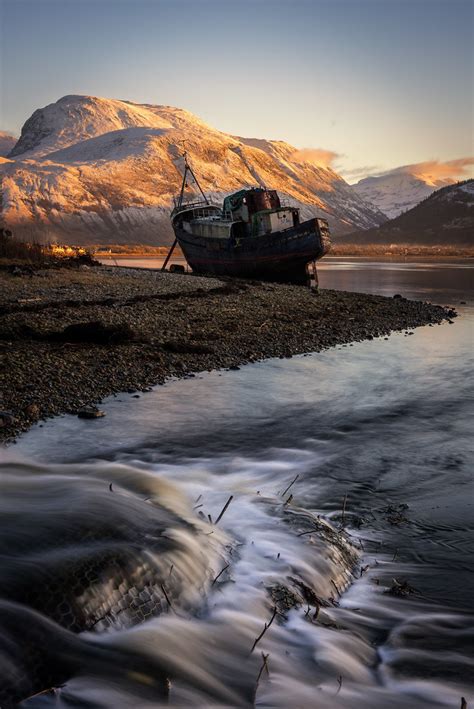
x: 323, y: 228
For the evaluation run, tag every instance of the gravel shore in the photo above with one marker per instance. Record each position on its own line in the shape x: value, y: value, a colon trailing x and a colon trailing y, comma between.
x: 69, y: 338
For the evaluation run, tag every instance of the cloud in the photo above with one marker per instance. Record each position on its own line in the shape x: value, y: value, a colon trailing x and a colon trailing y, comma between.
x: 437, y: 171
x: 316, y: 156
x: 434, y: 172
x: 358, y: 173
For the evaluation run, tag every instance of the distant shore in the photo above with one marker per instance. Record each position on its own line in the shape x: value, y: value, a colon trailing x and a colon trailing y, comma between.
x: 337, y: 249
x: 70, y: 338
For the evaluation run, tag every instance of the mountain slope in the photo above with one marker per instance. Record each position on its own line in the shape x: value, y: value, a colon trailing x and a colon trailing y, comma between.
x: 94, y: 170
x: 400, y: 189
x: 444, y: 218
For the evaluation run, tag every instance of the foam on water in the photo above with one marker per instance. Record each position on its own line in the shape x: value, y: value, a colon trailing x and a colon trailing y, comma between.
x: 383, y: 423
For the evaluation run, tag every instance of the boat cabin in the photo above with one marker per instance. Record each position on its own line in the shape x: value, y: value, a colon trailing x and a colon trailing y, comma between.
x: 261, y: 209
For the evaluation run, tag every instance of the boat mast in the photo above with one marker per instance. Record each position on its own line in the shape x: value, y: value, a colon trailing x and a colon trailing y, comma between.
x: 188, y: 168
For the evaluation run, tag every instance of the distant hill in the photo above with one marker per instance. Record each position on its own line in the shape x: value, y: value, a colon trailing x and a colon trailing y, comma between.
x: 400, y: 189
x: 444, y: 218
x: 95, y: 170
x: 7, y: 141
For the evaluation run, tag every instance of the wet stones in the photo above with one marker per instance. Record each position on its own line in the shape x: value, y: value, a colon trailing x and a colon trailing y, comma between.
x: 32, y: 411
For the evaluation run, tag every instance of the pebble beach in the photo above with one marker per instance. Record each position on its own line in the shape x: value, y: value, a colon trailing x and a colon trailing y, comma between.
x: 71, y: 337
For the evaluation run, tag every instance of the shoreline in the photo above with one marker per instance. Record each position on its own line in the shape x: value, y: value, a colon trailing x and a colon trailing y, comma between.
x: 336, y: 252
x: 70, y: 338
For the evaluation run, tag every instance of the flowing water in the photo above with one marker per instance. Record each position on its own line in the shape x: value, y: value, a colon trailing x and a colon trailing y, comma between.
x: 375, y: 437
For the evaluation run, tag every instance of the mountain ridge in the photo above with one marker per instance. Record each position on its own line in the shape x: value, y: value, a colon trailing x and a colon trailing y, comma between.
x: 402, y: 188
x: 89, y: 169
x: 445, y: 217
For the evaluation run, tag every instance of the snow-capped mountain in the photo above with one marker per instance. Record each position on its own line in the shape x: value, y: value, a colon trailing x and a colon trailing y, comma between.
x: 400, y: 189
x: 7, y: 141
x: 445, y: 218
x: 94, y: 170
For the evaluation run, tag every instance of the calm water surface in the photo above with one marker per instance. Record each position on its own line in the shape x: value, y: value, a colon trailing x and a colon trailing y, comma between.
x: 386, y: 424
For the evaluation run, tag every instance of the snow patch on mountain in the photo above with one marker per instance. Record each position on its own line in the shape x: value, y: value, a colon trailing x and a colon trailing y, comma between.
x: 400, y: 189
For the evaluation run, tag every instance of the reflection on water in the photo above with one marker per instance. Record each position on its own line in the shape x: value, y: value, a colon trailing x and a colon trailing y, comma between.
x: 449, y: 278
x: 384, y: 425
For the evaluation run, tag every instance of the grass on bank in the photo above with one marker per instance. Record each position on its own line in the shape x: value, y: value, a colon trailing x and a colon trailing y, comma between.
x: 14, y: 252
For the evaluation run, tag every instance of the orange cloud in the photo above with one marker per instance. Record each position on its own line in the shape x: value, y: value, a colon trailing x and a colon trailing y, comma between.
x: 316, y: 156
x: 433, y: 172
x: 437, y: 172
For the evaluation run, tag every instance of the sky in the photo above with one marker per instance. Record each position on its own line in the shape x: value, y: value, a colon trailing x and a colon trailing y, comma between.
x: 366, y: 85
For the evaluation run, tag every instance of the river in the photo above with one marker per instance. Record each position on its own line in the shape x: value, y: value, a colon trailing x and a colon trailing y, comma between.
x: 376, y: 436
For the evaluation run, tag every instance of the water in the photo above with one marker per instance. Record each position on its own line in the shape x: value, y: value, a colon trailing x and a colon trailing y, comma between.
x: 385, y: 425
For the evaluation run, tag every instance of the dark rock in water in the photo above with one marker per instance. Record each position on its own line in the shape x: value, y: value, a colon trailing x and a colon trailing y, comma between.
x: 400, y: 589
x: 284, y: 599
x: 6, y: 419
x: 91, y: 412
x: 233, y: 368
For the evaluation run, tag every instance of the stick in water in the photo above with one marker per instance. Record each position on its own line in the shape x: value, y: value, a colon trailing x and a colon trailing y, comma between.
x: 224, y: 509
x: 343, y: 520
x: 166, y: 596
x: 220, y: 574
x: 292, y: 483
x: 267, y: 625
x: 263, y: 667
